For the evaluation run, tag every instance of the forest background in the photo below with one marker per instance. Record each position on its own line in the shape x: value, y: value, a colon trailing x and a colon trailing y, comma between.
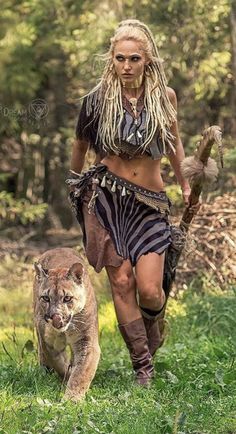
x: 48, y: 62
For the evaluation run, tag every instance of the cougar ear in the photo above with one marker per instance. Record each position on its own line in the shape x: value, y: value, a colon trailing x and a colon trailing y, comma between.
x: 41, y: 273
x: 76, y: 272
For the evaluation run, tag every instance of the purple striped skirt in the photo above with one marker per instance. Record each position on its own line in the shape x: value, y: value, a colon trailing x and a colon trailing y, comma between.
x: 119, y: 219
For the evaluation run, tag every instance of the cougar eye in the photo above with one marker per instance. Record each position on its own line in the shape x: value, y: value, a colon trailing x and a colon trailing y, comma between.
x: 67, y: 298
x: 45, y: 298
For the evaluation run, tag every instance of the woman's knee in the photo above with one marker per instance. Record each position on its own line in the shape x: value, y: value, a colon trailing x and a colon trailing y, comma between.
x: 123, y: 285
x: 152, y: 292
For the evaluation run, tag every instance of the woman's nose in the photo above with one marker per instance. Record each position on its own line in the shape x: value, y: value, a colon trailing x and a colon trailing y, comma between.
x: 127, y: 65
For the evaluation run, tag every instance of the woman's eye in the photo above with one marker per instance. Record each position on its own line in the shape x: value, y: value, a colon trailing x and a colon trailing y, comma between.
x: 135, y: 58
x: 45, y: 298
x: 119, y: 58
x: 67, y: 298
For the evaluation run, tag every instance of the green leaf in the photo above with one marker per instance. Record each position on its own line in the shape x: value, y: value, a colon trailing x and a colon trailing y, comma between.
x: 171, y: 377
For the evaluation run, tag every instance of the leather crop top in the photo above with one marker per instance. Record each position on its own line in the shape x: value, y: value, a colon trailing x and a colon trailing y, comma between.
x: 132, y: 132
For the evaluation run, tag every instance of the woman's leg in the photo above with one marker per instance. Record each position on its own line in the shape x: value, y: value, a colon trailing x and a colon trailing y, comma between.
x: 123, y: 287
x: 149, y: 277
x: 152, y: 300
x: 131, y: 324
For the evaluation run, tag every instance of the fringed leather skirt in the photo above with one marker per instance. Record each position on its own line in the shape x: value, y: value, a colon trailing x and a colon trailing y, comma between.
x: 119, y: 219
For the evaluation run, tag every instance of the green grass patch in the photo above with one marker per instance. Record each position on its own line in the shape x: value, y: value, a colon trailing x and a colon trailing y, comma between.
x: 194, y: 390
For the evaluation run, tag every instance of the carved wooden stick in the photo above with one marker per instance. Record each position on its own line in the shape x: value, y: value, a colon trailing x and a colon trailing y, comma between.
x: 199, y: 169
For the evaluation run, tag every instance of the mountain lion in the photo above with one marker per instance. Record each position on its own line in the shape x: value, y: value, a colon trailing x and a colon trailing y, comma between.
x: 65, y: 313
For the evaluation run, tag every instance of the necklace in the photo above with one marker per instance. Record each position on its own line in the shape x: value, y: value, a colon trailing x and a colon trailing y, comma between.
x: 133, y: 103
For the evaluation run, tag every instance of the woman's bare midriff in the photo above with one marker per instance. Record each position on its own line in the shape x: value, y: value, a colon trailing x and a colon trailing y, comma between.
x: 141, y: 170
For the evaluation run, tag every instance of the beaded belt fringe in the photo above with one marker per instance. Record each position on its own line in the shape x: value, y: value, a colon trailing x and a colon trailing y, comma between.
x: 158, y: 201
x: 100, y: 175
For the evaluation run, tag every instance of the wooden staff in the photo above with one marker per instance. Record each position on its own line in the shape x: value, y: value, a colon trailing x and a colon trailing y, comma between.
x: 198, y: 169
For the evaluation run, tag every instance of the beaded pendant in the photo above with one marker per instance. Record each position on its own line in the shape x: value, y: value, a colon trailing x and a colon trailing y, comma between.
x: 123, y: 193
x: 103, y: 183
x: 113, y: 188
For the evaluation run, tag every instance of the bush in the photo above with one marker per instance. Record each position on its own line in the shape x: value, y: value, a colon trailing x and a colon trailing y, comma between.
x: 19, y: 211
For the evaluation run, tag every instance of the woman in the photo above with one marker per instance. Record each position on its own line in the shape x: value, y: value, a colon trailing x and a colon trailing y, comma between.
x: 129, y: 119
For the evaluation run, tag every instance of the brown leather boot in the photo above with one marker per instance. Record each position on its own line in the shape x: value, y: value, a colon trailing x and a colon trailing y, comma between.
x: 155, y: 327
x: 135, y: 337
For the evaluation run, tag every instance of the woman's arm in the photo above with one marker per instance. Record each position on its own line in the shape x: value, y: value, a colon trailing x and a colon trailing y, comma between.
x: 178, y: 156
x: 79, y: 150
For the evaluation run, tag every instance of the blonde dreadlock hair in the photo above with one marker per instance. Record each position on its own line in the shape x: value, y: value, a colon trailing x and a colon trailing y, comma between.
x: 106, y: 97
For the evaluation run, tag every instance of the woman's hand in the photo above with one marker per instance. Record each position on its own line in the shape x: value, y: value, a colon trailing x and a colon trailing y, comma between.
x: 186, y: 193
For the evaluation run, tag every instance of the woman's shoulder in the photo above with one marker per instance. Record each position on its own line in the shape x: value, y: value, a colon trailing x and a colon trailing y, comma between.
x: 93, y: 96
x: 88, y: 106
x: 172, y: 96
x: 86, y: 128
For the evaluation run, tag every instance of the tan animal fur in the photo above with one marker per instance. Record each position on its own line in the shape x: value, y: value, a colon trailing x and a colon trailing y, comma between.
x: 65, y: 313
x: 194, y: 169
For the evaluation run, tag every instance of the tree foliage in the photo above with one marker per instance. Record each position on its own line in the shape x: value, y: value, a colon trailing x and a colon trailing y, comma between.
x: 15, y: 211
x: 49, y: 60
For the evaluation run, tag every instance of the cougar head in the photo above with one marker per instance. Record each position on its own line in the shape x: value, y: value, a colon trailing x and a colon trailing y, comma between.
x: 61, y: 294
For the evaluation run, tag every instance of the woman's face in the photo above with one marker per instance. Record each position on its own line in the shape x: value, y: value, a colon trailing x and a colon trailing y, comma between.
x: 129, y: 60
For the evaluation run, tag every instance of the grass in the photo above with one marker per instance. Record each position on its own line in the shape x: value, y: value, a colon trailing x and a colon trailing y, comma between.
x: 195, y: 386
